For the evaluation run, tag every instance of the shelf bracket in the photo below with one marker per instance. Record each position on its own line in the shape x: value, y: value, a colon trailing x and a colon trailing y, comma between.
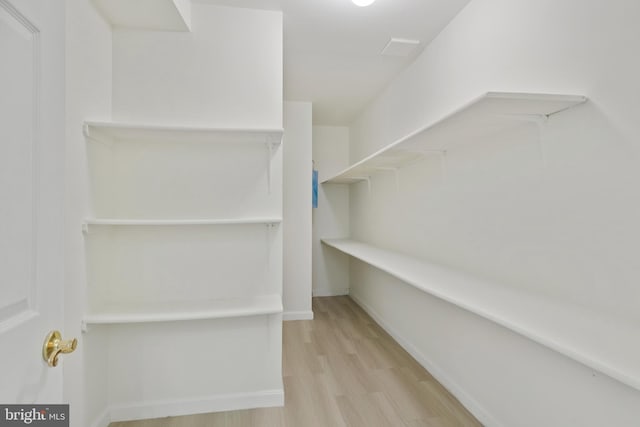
x: 86, y: 132
x: 269, y: 227
x: 395, y: 173
x: 541, y: 125
x: 364, y: 178
x: 272, y: 324
x: 443, y: 160
x: 84, y: 327
x: 85, y: 228
x: 530, y: 118
x: 269, y: 333
x: 270, y: 145
x: 540, y: 120
x: 443, y: 165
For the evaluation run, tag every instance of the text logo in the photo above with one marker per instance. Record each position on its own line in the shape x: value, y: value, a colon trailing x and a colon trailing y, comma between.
x: 34, y: 415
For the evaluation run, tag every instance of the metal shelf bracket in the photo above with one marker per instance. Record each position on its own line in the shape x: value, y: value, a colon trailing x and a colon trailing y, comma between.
x: 540, y: 120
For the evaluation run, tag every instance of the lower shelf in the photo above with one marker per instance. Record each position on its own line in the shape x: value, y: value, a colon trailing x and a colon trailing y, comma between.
x: 119, y: 313
x: 163, y: 222
x: 601, y: 342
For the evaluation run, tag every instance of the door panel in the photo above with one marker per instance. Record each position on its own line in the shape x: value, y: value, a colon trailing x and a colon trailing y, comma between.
x: 18, y: 46
x: 31, y: 195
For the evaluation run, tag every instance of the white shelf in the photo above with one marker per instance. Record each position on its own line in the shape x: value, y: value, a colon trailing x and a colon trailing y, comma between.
x: 181, y: 222
x: 144, y: 14
x: 179, y: 311
x: 605, y: 344
x: 110, y: 131
x: 488, y: 113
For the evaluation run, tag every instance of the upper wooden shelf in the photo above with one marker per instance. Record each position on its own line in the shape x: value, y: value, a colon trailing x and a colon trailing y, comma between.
x: 130, y: 312
x: 181, y: 222
x: 114, y: 131
x: 167, y: 15
x: 599, y: 341
x: 488, y: 113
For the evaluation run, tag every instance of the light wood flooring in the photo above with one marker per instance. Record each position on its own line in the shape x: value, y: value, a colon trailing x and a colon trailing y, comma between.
x: 342, y: 369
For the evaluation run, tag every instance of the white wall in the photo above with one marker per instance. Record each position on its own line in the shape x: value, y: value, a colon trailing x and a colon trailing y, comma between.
x: 226, y: 73
x: 88, y: 95
x: 331, y: 218
x: 296, y: 293
x: 231, y: 364
x: 563, y: 224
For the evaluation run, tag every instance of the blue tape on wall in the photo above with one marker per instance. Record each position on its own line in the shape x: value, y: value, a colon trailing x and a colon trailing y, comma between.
x: 315, y: 188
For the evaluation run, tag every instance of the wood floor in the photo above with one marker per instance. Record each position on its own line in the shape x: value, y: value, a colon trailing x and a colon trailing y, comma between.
x: 342, y: 369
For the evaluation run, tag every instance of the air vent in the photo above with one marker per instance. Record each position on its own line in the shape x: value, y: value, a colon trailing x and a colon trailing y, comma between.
x: 400, y: 47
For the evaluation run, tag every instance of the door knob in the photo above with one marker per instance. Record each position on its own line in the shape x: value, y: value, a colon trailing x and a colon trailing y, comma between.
x: 54, y: 345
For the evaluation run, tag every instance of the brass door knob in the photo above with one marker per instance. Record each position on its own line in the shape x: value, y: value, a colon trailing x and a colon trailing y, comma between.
x: 54, y: 345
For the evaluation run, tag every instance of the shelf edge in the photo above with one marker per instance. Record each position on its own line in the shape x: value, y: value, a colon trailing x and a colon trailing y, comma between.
x: 272, y: 305
x: 164, y: 128
x: 178, y: 222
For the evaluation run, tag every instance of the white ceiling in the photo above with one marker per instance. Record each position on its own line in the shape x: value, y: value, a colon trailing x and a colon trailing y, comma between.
x: 332, y: 48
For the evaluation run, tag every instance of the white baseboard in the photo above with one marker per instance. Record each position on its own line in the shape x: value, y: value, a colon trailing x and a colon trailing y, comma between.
x: 297, y: 315
x: 102, y: 420
x: 330, y: 292
x: 177, y: 407
x: 467, y: 401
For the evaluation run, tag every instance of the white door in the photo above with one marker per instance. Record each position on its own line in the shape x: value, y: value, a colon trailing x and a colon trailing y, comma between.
x: 31, y: 196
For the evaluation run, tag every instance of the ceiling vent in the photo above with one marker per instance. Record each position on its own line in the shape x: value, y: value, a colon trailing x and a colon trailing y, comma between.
x: 400, y: 47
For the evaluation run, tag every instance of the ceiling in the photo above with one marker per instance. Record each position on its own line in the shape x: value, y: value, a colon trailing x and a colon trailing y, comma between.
x: 332, y: 48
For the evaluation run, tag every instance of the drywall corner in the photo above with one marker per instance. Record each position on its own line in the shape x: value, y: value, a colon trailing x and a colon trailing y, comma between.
x: 297, y: 207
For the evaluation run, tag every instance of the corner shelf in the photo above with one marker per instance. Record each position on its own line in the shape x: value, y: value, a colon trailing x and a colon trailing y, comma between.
x: 488, y: 113
x: 180, y: 222
x: 223, y: 308
x: 144, y: 14
x: 607, y: 345
x: 100, y: 131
